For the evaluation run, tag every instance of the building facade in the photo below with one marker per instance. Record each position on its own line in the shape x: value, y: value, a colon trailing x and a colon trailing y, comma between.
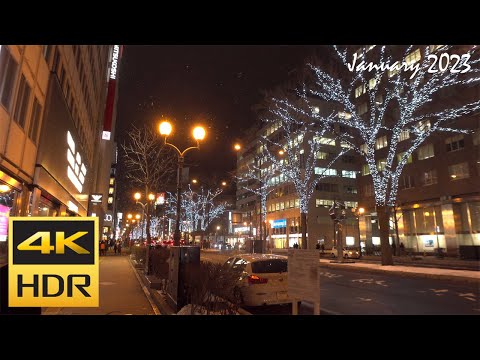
x: 438, y: 203
x: 52, y: 114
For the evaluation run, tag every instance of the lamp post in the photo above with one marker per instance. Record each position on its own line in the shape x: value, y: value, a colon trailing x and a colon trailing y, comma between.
x: 145, y: 214
x: 198, y: 134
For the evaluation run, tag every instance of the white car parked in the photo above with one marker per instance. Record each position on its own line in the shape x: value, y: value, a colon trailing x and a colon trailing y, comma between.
x: 347, y: 253
x: 264, y: 278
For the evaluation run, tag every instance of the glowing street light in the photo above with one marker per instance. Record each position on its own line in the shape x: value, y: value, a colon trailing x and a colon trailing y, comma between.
x: 198, y: 134
x: 237, y: 147
x: 224, y: 183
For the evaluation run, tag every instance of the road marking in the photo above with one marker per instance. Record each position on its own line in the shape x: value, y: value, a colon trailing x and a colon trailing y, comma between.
x: 371, y: 281
x: 436, y: 291
x: 364, y: 299
x: 329, y: 275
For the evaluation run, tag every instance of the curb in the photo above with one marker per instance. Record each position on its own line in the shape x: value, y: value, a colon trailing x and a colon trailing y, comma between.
x: 157, y: 298
x: 402, y: 273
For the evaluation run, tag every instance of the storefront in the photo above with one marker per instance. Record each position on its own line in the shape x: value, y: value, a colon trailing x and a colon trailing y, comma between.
x: 10, y: 205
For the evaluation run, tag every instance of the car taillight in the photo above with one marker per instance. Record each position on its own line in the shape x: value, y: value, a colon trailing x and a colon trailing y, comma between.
x: 254, y: 279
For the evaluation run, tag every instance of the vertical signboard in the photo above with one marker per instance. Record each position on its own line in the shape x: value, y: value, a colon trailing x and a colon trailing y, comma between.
x: 4, y: 212
x: 112, y: 85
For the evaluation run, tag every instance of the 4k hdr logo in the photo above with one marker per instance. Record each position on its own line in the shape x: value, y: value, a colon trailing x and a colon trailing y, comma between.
x: 53, y: 262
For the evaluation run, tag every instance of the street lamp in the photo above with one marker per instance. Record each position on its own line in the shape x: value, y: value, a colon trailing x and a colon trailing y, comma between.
x: 198, y: 134
x: 151, y: 197
x: 359, y: 212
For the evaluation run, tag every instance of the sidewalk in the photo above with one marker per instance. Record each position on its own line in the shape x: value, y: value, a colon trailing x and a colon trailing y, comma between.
x: 120, y: 291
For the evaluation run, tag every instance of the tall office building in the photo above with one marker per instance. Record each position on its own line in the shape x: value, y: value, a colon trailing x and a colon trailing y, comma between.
x: 57, y: 113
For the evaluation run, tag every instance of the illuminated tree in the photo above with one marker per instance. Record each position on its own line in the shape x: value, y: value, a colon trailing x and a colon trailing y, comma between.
x: 148, y: 162
x: 402, y: 109
x: 294, y: 152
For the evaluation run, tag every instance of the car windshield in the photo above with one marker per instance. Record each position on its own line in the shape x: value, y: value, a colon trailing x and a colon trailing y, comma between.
x: 270, y: 266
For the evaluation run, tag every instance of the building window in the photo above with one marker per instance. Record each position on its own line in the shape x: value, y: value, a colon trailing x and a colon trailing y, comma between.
x: 8, y: 74
x: 365, y: 170
x: 322, y: 155
x: 349, y: 174
x: 35, y: 120
x: 404, y: 135
x: 434, y: 48
x: 360, y: 90
x: 344, y: 115
x: 401, y: 155
x: 455, y: 143
x: 381, y: 164
x: 327, y: 187
x: 346, y: 145
x: 413, y: 57
x: 381, y: 142
x: 350, y: 189
x: 476, y: 138
x: 364, y: 148
x: 362, y: 108
x: 458, y: 171
x: 430, y: 177
x: 348, y: 159
x: 372, y: 82
x: 112, y: 181
x: 351, y: 204
x: 368, y: 190
x: 425, y: 152
x: 423, y: 125
x: 323, y: 202
x: 297, y: 203
x: 325, y: 140
x: 111, y: 190
x: 325, y: 171
x: 23, y: 99
x: 406, y: 182
x: 110, y: 200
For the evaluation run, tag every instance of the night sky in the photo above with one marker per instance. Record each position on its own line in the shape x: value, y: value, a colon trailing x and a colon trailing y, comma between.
x: 215, y: 85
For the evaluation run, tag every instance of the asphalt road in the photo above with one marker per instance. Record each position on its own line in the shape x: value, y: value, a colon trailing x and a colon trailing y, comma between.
x: 345, y: 292
x: 351, y: 292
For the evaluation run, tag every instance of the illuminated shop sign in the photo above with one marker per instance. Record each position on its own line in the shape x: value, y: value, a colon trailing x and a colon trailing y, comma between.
x: 4, y: 212
x: 112, y: 83
x: 76, y: 170
x: 281, y: 223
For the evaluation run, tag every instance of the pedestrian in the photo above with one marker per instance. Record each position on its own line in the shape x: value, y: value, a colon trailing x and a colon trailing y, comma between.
x: 119, y: 248
x: 115, y: 248
x: 102, y: 247
x: 402, y: 248
x: 317, y: 246
x: 322, y: 248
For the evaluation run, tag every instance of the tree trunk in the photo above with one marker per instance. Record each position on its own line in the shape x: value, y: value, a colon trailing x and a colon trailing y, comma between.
x: 383, y: 223
x: 303, y: 224
x: 397, y: 236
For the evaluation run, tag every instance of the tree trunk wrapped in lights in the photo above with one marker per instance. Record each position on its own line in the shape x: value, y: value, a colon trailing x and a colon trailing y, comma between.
x: 418, y: 95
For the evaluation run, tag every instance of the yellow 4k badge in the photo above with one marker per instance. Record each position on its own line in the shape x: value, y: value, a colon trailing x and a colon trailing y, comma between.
x: 53, y: 262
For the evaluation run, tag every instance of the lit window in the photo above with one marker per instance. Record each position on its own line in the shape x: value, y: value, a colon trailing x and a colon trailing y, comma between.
x: 351, y: 204
x: 322, y: 155
x: 344, y: 115
x: 425, y: 152
x: 455, y: 143
x: 404, y: 135
x: 325, y: 140
x: 110, y: 200
x: 372, y: 82
x: 364, y: 148
x: 325, y: 172
x: 400, y: 157
x: 349, y: 174
x: 346, y: 145
x: 423, y: 125
x: 297, y: 203
x: 381, y: 142
x: 323, y: 202
x: 360, y: 90
x: 406, y: 182
x: 458, y: 171
x: 111, y: 190
x: 381, y: 164
x: 362, y: 108
x: 112, y: 181
x: 430, y: 177
x: 365, y: 170
x: 434, y: 48
x: 413, y: 57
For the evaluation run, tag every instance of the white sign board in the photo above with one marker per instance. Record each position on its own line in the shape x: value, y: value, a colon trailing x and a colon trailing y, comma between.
x: 303, y: 279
